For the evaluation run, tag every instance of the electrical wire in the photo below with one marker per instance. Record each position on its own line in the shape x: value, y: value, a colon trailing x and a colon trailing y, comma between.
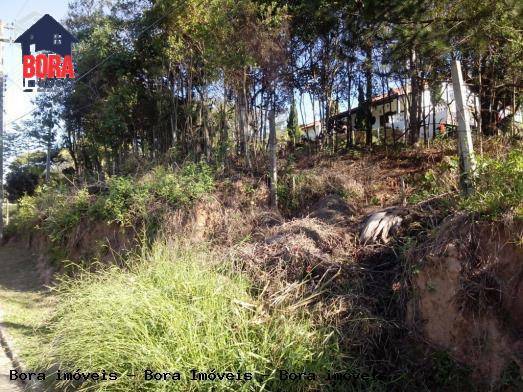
x: 101, y: 62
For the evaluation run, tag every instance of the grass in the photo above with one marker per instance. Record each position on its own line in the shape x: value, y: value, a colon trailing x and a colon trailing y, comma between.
x: 498, y: 185
x: 171, y: 311
x: 24, y: 303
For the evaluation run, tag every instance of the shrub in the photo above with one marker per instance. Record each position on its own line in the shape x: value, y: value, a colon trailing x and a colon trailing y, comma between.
x: 438, y: 180
x: 185, y: 186
x: 25, y: 217
x: 172, y: 311
x: 65, y: 214
x: 499, y: 186
x: 127, y: 200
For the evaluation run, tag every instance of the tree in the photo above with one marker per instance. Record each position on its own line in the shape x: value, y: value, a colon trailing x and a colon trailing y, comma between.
x: 42, y: 129
x: 273, y: 158
x: 293, y: 126
x: 363, y: 112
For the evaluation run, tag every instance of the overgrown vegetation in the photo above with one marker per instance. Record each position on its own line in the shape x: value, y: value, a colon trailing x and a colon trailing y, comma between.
x: 498, y: 185
x: 171, y: 310
x: 165, y: 82
x: 57, y: 210
x: 329, y: 284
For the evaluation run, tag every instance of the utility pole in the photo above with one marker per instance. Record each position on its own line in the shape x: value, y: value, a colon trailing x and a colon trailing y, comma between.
x: 467, y: 161
x: 1, y: 130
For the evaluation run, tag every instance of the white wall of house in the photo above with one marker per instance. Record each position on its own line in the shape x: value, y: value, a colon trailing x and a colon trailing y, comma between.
x: 445, y: 111
x: 311, y: 132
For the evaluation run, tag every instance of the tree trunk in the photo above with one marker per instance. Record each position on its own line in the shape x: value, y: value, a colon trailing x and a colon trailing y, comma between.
x: 368, y: 103
x: 48, y: 160
x: 244, y: 121
x: 349, y: 142
x: 413, y: 112
x: 273, y: 157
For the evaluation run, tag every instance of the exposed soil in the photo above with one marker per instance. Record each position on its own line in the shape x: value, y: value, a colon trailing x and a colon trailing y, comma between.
x: 18, y: 283
x: 469, y: 294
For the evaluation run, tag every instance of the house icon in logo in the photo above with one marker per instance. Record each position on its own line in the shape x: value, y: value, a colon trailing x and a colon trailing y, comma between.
x: 54, y: 43
x: 47, y: 35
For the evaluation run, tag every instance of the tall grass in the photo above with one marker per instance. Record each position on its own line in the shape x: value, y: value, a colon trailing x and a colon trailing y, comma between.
x: 172, y: 311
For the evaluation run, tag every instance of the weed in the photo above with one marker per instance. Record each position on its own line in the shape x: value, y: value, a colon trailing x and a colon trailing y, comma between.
x: 171, y: 311
x: 448, y: 374
x: 499, y: 186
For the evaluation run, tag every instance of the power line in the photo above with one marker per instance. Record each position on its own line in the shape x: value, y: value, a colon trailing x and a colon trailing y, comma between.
x: 100, y: 63
x: 21, y: 9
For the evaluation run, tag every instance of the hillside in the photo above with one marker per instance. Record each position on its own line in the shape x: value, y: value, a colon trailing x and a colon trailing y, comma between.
x: 414, y: 302
x: 252, y: 195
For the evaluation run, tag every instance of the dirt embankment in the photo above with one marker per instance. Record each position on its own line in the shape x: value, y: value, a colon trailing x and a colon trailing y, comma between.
x: 467, y: 297
x: 468, y: 294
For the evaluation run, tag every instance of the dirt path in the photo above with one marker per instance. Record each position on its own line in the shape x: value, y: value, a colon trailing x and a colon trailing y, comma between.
x: 20, y: 297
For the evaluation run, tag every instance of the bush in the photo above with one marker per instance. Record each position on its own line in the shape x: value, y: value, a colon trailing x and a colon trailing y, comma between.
x: 438, y: 180
x: 21, y: 182
x: 499, y: 186
x: 127, y: 200
x: 25, y: 217
x: 58, y: 209
x: 171, y: 311
x: 65, y: 214
x: 183, y: 187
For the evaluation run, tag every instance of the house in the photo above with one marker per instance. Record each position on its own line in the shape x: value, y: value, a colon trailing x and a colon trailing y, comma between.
x: 311, y: 131
x: 390, y: 112
x: 46, y: 35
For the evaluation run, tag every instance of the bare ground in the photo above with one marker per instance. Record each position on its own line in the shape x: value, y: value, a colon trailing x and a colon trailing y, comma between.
x: 21, y: 298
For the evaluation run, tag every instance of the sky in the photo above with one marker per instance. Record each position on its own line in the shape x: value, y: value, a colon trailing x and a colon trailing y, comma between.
x: 17, y: 16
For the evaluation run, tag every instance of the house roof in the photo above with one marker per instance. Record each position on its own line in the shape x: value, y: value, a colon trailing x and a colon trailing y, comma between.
x: 376, y: 100
x: 310, y: 125
x: 44, y: 27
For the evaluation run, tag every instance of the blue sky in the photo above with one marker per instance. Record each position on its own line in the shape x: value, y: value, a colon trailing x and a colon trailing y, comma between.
x: 21, y: 15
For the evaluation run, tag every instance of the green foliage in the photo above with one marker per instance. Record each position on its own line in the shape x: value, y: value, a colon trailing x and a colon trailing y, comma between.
x: 436, y: 181
x: 499, y: 186
x: 58, y: 210
x: 171, y: 311
x: 26, y: 215
x: 448, y: 374
x: 511, y: 378
x: 127, y: 200
x: 64, y: 214
x: 24, y: 174
x: 21, y: 182
x: 293, y: 126
x: 181, y: 189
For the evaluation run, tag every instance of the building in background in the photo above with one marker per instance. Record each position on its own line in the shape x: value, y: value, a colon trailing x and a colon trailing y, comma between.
x: 390, y: 112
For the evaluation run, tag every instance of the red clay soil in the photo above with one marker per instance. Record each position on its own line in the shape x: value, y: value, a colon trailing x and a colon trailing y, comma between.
x: 469, y: 294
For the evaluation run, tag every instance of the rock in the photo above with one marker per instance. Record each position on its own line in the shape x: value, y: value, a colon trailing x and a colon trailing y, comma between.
x: 382, y: 224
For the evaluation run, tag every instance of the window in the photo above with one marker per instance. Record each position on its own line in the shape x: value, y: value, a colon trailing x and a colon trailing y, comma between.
x: 57, y: 39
